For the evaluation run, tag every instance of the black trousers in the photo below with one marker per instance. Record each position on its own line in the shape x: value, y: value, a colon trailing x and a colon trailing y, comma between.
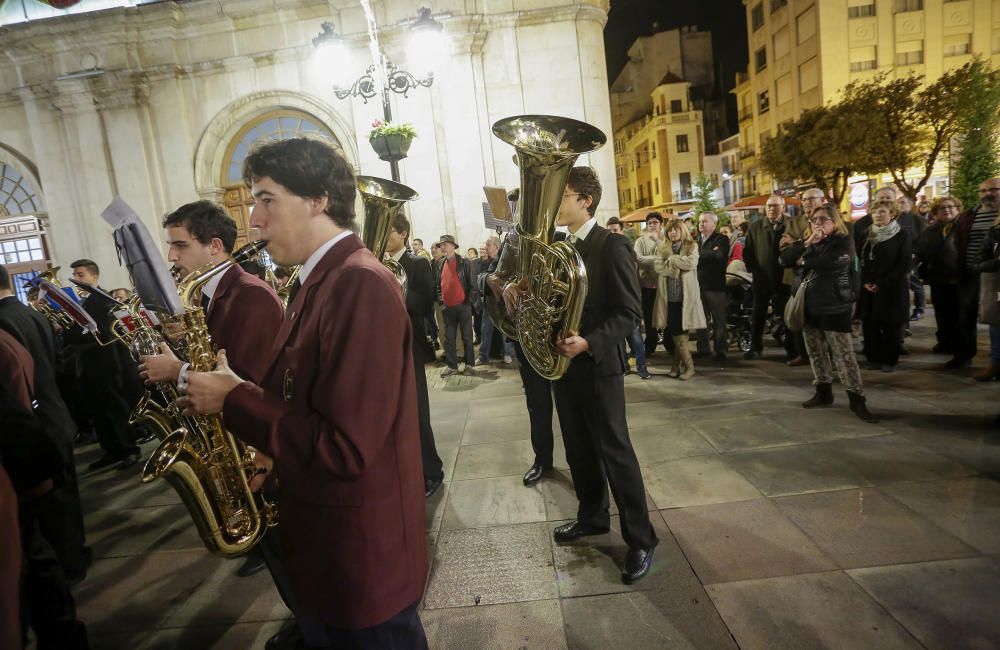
x: 404, y: 631
x: 538, y: 395
x: 459, y: 316
x: 648, y: 304
x: 433, y: 467
x: 919, y: 297
x: 47, y: 604
x: 592, y: 417
x: 968, y: 316
x: 763, y: 297
x: 270, y: 549
x: 715, y: 304
x: 107, y: 399
x: 947, y: 304
x: 60, y: 518
x: 882, y: 341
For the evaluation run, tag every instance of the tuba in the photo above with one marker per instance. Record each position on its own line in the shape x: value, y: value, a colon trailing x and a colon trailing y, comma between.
x: 551, y: 276
x: 208, y: 466
x: 55, y: 316
x: 383, y: 199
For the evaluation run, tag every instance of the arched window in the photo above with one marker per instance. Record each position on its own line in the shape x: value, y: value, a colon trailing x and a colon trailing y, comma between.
x: 17, y: 193
x: 276, y: 125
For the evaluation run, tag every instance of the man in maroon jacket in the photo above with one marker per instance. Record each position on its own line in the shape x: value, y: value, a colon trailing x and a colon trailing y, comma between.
x: 336, y: 409
x: 241, y: 311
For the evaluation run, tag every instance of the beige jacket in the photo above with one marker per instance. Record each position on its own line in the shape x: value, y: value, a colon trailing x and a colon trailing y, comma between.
x: 646, y: 256
x: 685, y: 266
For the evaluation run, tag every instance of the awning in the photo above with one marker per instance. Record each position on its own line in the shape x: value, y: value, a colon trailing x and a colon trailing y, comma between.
x: 640, y: 215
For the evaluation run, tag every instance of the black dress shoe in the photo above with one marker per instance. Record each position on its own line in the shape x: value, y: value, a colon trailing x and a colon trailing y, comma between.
x: 534, y: 474
x: 431, y: 486
x: 254, y: 563
x: 575, y: 530
x: 147, y: 435
x: 957, y: 362
x: 287, y: 638
x: 107, y: 460
x: 637, y: 563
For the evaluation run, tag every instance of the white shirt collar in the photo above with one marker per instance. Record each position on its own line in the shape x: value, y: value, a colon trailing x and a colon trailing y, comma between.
x: 398, y: 255
x: 318, y: 254
x: 584, y: 230
x: 213, y: 285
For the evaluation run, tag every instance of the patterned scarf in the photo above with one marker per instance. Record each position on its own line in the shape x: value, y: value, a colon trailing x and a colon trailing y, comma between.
x: 878, y: 234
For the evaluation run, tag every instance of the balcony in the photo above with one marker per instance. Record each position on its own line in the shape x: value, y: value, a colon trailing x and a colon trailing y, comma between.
x: 745, y: 114
x: 748, y: 153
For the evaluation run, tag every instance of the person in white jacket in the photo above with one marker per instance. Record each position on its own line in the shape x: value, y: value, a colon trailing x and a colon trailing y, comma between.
x: 678, y: 302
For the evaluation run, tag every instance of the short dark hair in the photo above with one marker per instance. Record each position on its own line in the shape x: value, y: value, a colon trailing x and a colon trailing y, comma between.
x: 654, y: 215
x: 415, y: 239
x: 4, y: 278
x: 615, y: 221
x: 584, y: 180
x: 309, y: 168
x: 205, y: 221
x: 90, y: 265
x: 401, y: 224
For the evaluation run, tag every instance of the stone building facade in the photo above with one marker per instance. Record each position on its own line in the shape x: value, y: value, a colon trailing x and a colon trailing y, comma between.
x: 159, y: 103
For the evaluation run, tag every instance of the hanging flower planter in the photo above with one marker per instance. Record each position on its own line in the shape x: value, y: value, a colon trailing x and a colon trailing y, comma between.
x: 391, y: 141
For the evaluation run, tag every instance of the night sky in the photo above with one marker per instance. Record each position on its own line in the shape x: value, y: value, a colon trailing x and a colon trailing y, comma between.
x: 726, y: 19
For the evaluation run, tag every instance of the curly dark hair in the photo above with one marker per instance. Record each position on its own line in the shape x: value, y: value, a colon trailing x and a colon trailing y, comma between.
x: 205, y: 221
x: 310, y: 168
x: 584, y: 180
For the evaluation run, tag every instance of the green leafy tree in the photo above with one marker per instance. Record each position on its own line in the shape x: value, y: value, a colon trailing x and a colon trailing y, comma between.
x: 704, y: 195
x: 977, y: 138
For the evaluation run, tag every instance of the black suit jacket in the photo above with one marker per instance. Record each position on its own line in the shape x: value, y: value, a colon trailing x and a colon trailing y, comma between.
x: 613, y: 306
x: 33, y: 331
x: 112, y: 365
x: 420, y: 292
x: 713, y: 257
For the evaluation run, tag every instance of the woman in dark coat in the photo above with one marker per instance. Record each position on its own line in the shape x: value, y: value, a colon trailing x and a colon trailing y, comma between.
x: 827, y: 257
x: 886, y: 257
x: 989, y: 262
x: 938, y: 263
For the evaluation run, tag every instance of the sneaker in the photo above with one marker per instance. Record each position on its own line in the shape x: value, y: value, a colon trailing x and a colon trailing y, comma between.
x: 508, y: 359
x: 469, y: 370
x: 644, y: 374
x: 448, y: 372
x: 916, y: 315
x: 482, y: 362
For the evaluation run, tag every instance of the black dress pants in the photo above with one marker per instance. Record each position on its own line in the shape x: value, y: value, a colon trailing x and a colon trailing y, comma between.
x: 968, y: 316
x: 763, y: 297
x: 60, y: 518
x: 648, y: 305
x: 947, y: 304
x: 404, y: 631
x: 107, y: 399
x: 592, y: 417
x: 882, y: 341
x: 538, y: 395
x: 715, y: 303
x: 459, y: 316
x: 433, y: 467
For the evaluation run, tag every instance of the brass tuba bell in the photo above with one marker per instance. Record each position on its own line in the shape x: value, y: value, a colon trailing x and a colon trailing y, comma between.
x: 551, y: 275
x: 382, y: 200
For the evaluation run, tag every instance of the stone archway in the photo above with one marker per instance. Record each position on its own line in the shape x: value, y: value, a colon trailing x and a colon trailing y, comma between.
x: 210, y: 154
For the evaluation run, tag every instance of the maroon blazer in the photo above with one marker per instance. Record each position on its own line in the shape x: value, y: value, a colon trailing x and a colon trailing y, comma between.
x: 337, y: 411
x: 17, y: 370
x: 244, y: 318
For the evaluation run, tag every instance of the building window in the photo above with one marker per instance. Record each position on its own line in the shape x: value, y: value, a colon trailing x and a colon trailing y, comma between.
x: 782, y: 43
x: 682, y: 144
x: 996, y: 41
x: 910, y: 53
x: 17, y: 193
x: 862, y: 58
x: 783, y: 89
x: 676, y: 106
x: 806, y: 24
x: 764, y: 101
x: 656, y: 184
x: 685, y: 181
x: 760, y: 58
x: 957, y: 45
x: 778, y: 4
x: 278, y: 125
x: 861, y: 11
x: 652, y: 150
x: 757, y: 16
x: 638, y: 160
x: 808, y: 75
x: 909, y: 5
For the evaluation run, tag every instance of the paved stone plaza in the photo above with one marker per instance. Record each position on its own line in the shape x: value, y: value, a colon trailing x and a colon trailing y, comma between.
x: 779, y: 528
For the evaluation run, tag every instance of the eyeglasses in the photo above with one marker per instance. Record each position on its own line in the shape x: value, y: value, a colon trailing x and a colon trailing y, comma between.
x: 815, y: 220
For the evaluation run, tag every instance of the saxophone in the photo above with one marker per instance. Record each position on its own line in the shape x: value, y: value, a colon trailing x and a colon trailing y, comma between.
x: 208, y: 466
x: 382, y: 200
x: 551, y: 277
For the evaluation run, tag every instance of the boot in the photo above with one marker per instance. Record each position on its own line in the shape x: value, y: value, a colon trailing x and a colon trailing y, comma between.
x: 989, y: 373
x: 675, y: 367
x: 686, y: 362
x: 859, y: 408
x: 823, y: 396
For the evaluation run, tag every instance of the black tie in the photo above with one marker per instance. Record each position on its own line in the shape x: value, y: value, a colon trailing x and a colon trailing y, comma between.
x: 291, y: 294
x: 205, y: 300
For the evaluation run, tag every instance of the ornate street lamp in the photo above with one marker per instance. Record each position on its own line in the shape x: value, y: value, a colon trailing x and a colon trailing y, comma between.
x: 382, y: 75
